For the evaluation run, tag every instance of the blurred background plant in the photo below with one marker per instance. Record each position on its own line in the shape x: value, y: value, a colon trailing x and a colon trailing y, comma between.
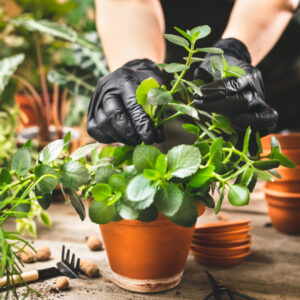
x: 61, y: 64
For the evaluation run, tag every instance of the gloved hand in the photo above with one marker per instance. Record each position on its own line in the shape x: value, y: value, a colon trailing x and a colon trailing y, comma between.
x: 241, y: 99
x: 114, y: 115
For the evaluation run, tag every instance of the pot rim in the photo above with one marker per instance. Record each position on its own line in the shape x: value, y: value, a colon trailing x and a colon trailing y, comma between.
x: 279, y: 194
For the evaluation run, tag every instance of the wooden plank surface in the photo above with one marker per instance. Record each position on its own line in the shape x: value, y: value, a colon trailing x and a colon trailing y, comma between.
x: 271, y: 272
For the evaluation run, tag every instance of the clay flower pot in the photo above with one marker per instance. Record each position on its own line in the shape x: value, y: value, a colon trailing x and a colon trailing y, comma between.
x: 25, y: 107
x: 287, y: 141
x: 284, y: 210
x: 147, y: 257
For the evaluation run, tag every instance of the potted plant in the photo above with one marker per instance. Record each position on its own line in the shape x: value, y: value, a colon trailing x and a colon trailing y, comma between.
x: 147, y: 202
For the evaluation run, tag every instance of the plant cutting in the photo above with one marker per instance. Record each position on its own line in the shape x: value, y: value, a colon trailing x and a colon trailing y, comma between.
x: 145, y: 201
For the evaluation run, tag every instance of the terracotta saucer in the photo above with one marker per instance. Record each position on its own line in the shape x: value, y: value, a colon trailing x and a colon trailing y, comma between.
x: 221, y: 261
x: 222, y: 226
x: 223, y: 252
x: 220, y: 243
x: 212, y: 235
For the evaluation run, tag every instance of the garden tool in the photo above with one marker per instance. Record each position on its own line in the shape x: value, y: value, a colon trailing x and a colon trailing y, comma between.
x: 219, y: 289
x: 64, y: 267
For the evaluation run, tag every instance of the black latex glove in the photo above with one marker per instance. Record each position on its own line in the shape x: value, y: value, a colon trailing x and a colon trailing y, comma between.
x: 114, y: 115
x: 241, y: 99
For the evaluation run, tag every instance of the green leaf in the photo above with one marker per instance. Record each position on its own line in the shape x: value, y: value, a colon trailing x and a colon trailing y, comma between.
x: 221, y: 121
x: 238, y: 195
x: 191, y: 128
x: 83, y: 151
x: 203, y: 147
x: 158, y: 96
x: 77, y: 204
x: 129, y: 172
x: 194, y: 59
x: 103, y: 173
x: 101, y: 192
x: 201, y: 177
x: 27, y: 144
x: 185, y: 109
x: 5, y: 176
x: 211, y: 50
x: 48, y: 184
x: 44, y: 200
x: 99, y: 213
x: 161, y: 164
x: 258, y: 142
x: 8, y: 66
x: 73, y: 175
x: 127, y: 212
x: 142, y: 92
x: 193, y: 86
x: 275, y: 143
x: 117, y: 182
x: 266, y: 164
x: 262, y: 175
x: 177, y: 40
x: 284, y: 161
x: 141, y: 205
x: 140, y: 188
x: 45, y: 219
x: 215, y: 154
x: 206, y: 200
x: 21, y: 161
x: 246, y: 140
x: 67, y: 140
x: 188, y: 37
x: 187, y: 214
x: 175, y: 67
x: 107, y: 151
x: 218, y: 63
x: 246, y: 177
x: 200, y: 32
x: 144, y: 157
x: 52, y: 151
x: 235, y: 71
x: 275, y: 173
x: 148, y: 215
x: 151, y: 174
x: 183, y: 160
x: 123, y: 154
x: 168, y: 199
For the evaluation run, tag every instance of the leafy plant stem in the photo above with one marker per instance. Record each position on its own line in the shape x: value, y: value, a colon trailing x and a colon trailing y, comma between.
x: 170, y: 118
x: 10, y: 186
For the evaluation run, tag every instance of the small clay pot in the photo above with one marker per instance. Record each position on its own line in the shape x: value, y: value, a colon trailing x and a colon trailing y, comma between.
x: 221, y: 261
x: 222, y: 226
x: 222, y: 244
x: 287, y: 141
x: 25, y: 107
x: 147, y: 257
x: 31, y: 133
x: 284, y: 211
x: 223, y: 252
x: 224, y: 236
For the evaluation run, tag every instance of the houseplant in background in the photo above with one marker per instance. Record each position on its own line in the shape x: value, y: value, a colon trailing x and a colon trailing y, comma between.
x: 69, y: 52
x: 283, y: 195
x: 138, y: 194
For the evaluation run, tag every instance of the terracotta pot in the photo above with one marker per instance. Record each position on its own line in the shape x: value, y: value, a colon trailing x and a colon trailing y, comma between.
x: 221, y: 261
x: 287, y: 141
x: 223, y: 252
x: 284, y: 210
x: 147, y: 257
x: 222, y: 226
x: 222, y: 244
x: 224, y: 237
x: 25, y: 134
x: 25, y: 107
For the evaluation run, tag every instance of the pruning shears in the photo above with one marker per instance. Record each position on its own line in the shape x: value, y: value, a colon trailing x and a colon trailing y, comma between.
x: 220, y: 289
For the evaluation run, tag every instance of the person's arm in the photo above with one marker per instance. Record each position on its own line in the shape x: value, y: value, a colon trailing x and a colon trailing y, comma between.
x: 259, y: 24
x: 130, y: 29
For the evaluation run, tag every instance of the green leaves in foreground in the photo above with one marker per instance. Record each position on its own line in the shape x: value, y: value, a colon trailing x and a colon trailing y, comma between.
x: 238, y: 195
x: 183, y: 160
x: 100, y: 213
x: 21, y: 161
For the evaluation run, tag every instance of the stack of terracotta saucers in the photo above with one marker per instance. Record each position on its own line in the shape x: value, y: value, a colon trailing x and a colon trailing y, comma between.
x: 225, y: 243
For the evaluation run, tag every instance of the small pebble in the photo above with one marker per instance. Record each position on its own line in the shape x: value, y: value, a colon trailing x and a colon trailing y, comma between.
x: 94, y: 243
x: 62, y: 283
x: 43, y: 253
x: 26, y: 255
x: 89, y: 268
